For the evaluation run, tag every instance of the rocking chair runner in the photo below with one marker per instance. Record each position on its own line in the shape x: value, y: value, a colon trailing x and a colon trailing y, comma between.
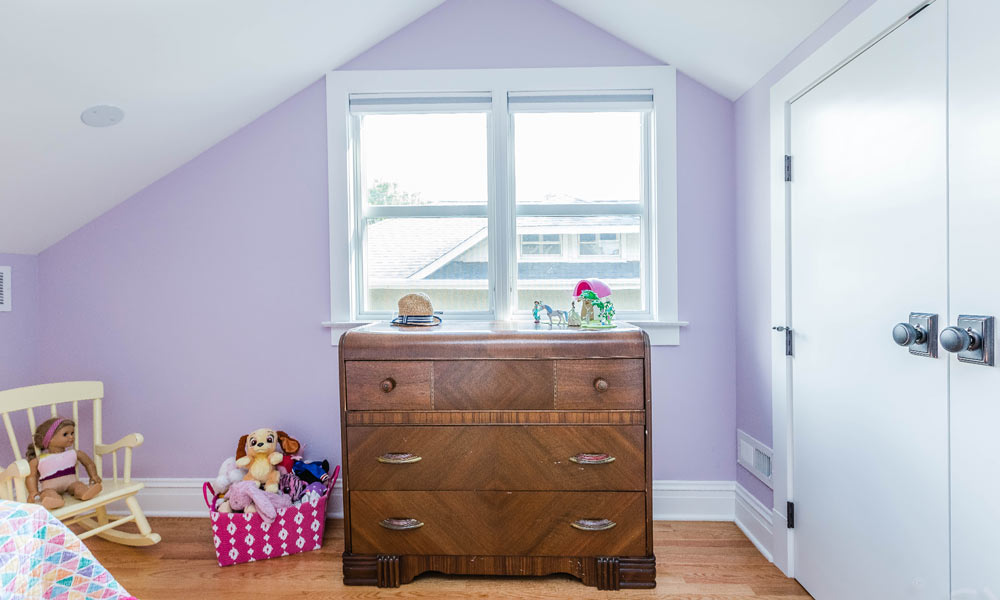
x: 91, y: 514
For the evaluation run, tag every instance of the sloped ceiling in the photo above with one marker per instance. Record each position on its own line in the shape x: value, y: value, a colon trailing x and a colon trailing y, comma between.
x: 727, y: 45
x: 188, y: 73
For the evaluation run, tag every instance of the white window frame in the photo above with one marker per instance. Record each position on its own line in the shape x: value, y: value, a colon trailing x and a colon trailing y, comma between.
x: 660, y: 211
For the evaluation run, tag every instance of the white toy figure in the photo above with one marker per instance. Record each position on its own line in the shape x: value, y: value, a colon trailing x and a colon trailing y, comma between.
x: 573, y: 320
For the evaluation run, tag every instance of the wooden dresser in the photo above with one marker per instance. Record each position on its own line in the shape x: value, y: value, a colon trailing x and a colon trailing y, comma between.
x: 496, y: 449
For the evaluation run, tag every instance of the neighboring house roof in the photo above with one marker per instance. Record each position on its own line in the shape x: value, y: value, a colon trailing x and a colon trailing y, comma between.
x: 414, y: 248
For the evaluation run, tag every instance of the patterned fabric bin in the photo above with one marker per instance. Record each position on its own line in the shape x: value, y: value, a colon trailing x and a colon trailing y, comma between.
x: 241, y: 537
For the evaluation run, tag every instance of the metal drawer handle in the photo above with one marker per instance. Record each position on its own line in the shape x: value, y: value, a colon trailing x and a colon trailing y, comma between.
x: 601, y: 385
x: 593, y: 524
x: 388, y: 384
x: 400, y: 458
x: 400, y: 524
x: 586, y: 458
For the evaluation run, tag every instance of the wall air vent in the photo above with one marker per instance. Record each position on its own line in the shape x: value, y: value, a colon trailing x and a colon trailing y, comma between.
x: 754, y: 457
x: 4, y: 289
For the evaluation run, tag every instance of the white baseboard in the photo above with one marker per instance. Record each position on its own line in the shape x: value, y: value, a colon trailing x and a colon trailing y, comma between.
x: 754, y: 519
x: 672, y: 501
x: 693, y: 500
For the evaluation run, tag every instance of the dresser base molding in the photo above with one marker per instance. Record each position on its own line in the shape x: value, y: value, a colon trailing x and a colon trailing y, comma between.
x: 604, y: 573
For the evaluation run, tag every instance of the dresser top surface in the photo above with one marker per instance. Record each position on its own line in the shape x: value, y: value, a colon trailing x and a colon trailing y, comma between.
x: 491, y: 339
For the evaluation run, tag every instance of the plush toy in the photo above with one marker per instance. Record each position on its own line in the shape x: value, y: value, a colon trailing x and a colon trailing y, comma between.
x: 258, y: 453
x: 229, y: 474
x: 54, y: 471
x: 291, y: 448
x: 290, y: 484
x: 246, y: 496
x: 312, y: 471
x: 314, y: 491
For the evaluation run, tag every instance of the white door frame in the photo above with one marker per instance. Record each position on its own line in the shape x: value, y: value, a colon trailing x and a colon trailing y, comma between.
x: 881, y: 18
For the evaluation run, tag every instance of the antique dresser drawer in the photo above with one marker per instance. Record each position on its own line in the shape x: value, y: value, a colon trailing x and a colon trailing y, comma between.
x: 499, y: 523
x: 497, y: 457
x: 389, y: 385
x: 599, y: 384
x: 493, y: 385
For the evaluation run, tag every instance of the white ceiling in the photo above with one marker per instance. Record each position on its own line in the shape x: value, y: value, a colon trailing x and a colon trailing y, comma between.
x: 727, y: 45
x: 188, y: 73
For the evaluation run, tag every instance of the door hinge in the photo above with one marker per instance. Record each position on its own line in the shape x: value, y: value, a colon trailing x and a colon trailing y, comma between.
x: 790, y: 515
x: 788, y: 168
x: 788, y: 338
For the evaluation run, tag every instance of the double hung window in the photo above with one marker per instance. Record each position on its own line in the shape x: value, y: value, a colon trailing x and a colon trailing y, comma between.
x: 488, y: 196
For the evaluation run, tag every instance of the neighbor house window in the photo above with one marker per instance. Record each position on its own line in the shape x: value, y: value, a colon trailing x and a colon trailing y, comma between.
x: 600, y: 244
x: 492, y: 195
x: 539, y: 244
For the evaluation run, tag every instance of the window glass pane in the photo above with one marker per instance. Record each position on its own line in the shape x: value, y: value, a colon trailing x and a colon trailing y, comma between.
x: 420, y: 159
x: 533, y: 244
x: 615, y: 260
x: 571, y: 158
x: 603, y: 244
x: 445, y: 258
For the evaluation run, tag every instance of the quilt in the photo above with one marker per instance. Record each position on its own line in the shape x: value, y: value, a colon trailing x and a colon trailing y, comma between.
x: 40, y: 558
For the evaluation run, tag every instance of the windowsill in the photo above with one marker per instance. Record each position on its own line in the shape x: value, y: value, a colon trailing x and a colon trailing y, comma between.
x: 661, y: 333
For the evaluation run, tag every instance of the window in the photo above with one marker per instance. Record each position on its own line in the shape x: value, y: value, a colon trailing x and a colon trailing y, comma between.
x: 538, y: 244
x: 600, y: 244
x: 490, y: 189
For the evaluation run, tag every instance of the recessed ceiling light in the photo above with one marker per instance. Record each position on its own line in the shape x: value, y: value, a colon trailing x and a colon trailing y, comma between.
x: 102, y: 115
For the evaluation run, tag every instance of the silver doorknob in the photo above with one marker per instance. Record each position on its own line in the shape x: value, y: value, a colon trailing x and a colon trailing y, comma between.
x: 905, y: 334
x: 956, y: 339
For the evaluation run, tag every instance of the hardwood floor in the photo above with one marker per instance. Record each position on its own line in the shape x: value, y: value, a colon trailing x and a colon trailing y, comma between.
x: 694, y: 561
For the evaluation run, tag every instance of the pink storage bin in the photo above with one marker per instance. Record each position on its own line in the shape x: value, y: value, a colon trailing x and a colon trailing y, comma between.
x: 241, y: 537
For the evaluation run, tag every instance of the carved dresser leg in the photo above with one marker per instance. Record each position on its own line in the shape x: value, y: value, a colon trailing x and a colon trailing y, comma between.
x: 368, y: 569
x: 637, y: 573
x: 388, y: 570
x: 608, y: 570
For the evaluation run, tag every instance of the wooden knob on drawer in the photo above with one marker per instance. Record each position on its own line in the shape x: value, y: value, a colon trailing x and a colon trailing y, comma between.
x: 601, y: 385
x: 388, y: 384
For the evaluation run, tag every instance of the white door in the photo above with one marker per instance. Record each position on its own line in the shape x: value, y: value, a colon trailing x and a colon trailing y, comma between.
x: 975, y: 289
x: 868, y: 246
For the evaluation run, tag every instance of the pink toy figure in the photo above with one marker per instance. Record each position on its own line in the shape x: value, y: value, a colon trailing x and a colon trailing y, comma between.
x: 248, y: 497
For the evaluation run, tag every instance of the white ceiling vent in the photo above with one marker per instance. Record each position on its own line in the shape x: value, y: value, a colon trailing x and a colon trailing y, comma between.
x: 754, y: 457
x: 4, y: 289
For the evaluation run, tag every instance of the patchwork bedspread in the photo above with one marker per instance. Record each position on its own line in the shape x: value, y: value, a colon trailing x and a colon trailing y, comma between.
x: 41, y: 558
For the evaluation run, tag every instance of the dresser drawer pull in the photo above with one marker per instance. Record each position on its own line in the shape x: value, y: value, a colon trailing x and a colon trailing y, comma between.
x: 388, y: 384
x: 586, y: 458
x: 593, y: 524
x: 400, y: 458
x: 400, y: 524
x: 601, y: 385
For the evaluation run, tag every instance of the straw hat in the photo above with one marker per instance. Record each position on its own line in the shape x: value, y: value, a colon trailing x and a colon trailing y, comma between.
x: 416, y: 309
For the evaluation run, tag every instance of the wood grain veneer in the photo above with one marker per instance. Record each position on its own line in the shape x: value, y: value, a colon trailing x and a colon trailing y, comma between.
x: 497, y: 457
x: 471, y: 385
x: 495, y: 411
x: 498, y: 523
x: 578, y: 384
x: 389, y: 385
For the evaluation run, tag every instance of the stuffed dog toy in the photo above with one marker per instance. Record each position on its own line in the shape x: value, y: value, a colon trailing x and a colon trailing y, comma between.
x: 258, y: 453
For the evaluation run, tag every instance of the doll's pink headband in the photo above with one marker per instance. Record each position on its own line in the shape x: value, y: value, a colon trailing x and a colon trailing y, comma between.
x: 51, y: 432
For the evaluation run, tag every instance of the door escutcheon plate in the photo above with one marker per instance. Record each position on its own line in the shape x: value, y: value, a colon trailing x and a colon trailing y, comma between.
x: 928, y: 323
x: 983, y: 325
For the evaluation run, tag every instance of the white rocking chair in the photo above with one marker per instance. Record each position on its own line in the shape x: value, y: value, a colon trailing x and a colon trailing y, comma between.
x: 91, y: 514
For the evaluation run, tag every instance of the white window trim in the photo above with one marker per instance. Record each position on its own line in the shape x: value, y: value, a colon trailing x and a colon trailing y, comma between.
x: 661, y: 322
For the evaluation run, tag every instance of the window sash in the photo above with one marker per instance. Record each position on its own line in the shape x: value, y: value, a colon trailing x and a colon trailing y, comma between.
x: 502, y: 209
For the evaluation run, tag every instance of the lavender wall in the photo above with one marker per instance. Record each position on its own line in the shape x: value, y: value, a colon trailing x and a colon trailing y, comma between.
x: 198, y: 301
x: 753, y: 243
x: 19, y: 327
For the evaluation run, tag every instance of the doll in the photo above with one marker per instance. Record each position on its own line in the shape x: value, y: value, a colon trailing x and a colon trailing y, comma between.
x: 54, y: 472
